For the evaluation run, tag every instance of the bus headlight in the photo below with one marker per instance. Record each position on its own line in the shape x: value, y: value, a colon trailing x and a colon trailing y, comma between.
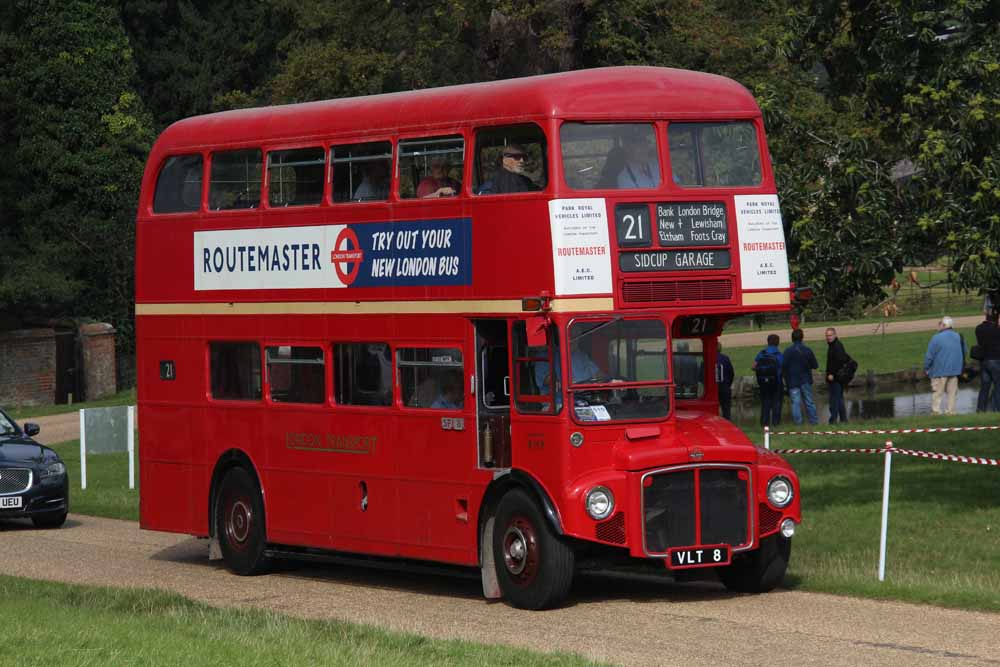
x: 600, y: 503
x: 779, y: 491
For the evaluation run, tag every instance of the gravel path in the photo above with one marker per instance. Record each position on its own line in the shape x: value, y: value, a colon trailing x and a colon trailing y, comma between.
x: 815, y: 334
x: 629, y: 621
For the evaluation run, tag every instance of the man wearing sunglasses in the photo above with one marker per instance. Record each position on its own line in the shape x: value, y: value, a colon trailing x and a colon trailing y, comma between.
x: 510, y: 177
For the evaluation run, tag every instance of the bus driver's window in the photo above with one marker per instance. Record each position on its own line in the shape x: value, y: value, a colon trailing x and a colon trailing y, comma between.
x: 510, y: 159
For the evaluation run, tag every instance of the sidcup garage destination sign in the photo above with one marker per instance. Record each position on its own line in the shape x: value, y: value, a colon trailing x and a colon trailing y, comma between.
x: 673, y: 260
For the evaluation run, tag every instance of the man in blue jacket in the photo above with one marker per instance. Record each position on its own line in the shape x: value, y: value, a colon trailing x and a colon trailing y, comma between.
x: 767, y: 367
x: 944, y: 362
x: 798, y: 366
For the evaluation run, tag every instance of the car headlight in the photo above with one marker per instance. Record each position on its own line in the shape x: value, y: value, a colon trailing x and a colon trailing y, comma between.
x: 54, y: 470
x: 779, y: 491
x: 600, y: 503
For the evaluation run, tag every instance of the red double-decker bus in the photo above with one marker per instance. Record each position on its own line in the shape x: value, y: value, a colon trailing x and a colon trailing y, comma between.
x: 473, y: 325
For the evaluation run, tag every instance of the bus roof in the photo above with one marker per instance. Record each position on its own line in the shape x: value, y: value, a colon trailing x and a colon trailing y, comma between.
x: 594, y: 94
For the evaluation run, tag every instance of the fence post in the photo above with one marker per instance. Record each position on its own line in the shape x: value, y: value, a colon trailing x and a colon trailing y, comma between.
x: 83, y: 451
x: 885, y: 510
x: 767, y: 437
x: 131, y: 446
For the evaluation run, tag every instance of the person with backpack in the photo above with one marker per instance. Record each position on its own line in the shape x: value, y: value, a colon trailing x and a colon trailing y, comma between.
x: 799, y: 362
x: 767, y: 368
x: 943, y: 363
x: 840, y: 369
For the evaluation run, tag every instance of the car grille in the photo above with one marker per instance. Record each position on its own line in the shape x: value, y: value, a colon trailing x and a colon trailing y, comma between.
x: 696, y: 505
x: 14, y: 480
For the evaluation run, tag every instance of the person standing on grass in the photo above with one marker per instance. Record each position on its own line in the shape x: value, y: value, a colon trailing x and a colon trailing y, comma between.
x: 767, y: 368
x: 943, y: 363
x: 836, y: 361
x: 988, y: 341
x: 724, y: 375
x: 798, y: 366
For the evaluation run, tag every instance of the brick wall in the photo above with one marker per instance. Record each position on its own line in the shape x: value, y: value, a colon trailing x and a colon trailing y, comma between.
x: 97, y: 344
x: 27, y: 367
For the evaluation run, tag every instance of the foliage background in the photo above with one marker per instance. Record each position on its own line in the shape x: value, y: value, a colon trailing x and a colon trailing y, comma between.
x: 883, y: 115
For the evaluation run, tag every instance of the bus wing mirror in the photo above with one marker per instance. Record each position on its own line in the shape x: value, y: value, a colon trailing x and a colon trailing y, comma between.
x: 537, y: 329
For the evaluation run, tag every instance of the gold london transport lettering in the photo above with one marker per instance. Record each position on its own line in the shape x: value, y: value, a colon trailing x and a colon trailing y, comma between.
x: 331, y: 442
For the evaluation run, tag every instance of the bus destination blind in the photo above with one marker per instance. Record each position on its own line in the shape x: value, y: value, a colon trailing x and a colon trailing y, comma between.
x: 692, y: 224
x: 673, y: 260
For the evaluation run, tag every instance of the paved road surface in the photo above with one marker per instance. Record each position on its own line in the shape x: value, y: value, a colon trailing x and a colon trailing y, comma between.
x: 625, y: 621
x: 56, y: 428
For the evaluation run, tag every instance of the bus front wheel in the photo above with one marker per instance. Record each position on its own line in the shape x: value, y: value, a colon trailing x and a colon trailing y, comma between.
x: 240, y: 524
x: 758, y: 571
x: 534, y: 566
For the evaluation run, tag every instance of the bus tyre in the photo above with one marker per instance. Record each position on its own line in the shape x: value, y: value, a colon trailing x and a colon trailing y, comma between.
x: 761, y: 570
x: 239, y: 522
x: 534, y: 566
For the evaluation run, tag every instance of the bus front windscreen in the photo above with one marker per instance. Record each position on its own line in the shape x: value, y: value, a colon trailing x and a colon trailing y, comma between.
x: 618, y: 369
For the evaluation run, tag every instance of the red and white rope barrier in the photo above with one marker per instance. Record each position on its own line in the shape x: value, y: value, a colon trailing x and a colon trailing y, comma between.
x: 958, y: 458
x: 892, y: 431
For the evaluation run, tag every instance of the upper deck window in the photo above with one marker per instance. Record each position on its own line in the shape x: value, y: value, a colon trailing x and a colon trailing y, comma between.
x: 295, y: 177
x: 361, y: 172
x: 178, y: 187
x: 510, y: 159
x: 235, y: 179
x: 599, y: 156
x: 714, y: 154
x: 430, y: 168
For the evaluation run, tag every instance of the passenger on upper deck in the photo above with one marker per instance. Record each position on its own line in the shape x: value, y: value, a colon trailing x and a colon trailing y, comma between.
x: 375, y: 185
x: 510, y: 177
x: 438, y: 183
x: 642, y: 169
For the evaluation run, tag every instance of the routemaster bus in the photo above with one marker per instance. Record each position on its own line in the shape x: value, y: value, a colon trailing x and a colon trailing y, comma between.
x: 473, y: 325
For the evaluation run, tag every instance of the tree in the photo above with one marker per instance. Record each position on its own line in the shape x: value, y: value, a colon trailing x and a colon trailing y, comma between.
x: 75, y: 135
x: 926, y: 76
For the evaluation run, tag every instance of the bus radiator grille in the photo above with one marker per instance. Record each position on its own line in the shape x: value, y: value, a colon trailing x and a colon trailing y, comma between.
x: 769, y: 519
x: 674, y: 291
x: 612, y: 530
x: 671, y: 508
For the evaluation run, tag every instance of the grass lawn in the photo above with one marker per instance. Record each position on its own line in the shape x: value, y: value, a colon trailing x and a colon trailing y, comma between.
x: 107, y: 491
x: 943, y: 542
x: 126, y: 397
x: 59, y: 624
x: 892, y: 352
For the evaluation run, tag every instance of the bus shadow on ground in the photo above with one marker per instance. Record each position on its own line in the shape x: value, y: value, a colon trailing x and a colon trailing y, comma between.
x: 589, y: 586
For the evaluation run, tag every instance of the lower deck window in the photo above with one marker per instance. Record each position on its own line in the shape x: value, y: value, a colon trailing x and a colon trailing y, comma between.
x: 431, y: 377
x: 296, y: 374
x: 362, y: 373
x: 234, y: 369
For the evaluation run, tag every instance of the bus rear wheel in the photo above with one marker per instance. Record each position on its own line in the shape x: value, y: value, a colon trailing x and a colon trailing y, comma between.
x: 758, y: 571
x: 534, y: 566
x: 239, y: 523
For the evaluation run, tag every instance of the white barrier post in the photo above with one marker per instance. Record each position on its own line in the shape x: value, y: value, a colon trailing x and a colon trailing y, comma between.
x: 83, y: 452
x: 767, y: 437
x: 131, y: 446
x: 885, y: 510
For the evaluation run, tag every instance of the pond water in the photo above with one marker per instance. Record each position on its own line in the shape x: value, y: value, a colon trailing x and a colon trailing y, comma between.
x: 866, y: 404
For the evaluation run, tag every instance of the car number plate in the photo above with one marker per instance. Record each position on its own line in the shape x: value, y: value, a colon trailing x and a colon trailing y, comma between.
x: 706, y: 556
x: 10, y: 502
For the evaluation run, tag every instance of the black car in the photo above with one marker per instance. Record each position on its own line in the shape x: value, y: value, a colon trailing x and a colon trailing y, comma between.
x: 33, y: 480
